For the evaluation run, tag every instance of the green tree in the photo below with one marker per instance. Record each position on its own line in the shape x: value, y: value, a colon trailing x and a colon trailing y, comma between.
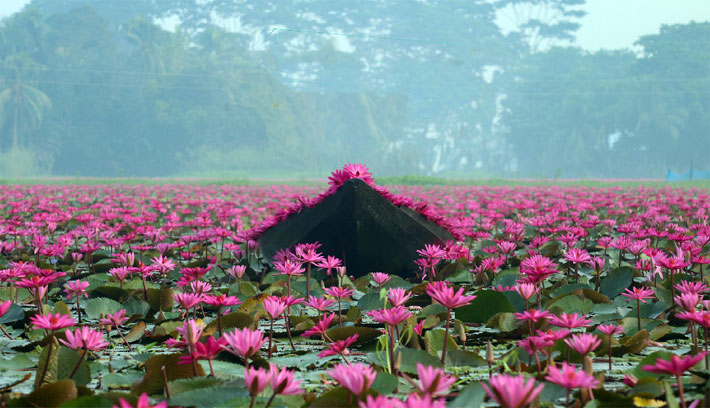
x: 22, y: 106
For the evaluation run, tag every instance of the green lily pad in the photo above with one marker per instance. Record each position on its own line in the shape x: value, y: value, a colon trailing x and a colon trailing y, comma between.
x: 96, y: 307
x: 364, y: 334
x: 616, y: 281
x: 152, y: 380
x: 486, y: 304
x: 471, y: 396
x: 13, y: 314
x: 385, y: 383
x: 53, y: 395
x: 410, y: 357
x: 573, y: 304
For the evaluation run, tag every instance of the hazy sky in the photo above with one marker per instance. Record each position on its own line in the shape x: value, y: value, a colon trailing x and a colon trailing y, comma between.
x: 609, y: 24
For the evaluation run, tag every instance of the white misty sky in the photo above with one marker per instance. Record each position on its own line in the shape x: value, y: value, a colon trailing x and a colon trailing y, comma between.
x: 609, y: 24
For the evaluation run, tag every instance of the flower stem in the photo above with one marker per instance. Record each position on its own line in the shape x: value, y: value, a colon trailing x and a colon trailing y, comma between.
x: 446, y: 336
x: 638, y: 311
x: 270, y: 400
x: 165, y: 382
x: 219, y: 321
x: 6, y: 333
x: 308, y: 280
x: 271, y: 335
x: 680, y: 391
x: 391, y: 350
x: 78, y: 308
x: 124, y: 339
x: 340, y: 314
x: 610, y: 351
x: 145, y: 291
x: 46, y: 362
x: 288, y: 332
x: 706, y: 349
x: 78, y: 363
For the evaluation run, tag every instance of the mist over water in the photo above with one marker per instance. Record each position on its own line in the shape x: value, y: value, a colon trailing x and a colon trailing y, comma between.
x: 464, y: 89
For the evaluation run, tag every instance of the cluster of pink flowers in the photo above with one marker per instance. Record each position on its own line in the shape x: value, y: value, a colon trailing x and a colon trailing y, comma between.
x: 529, y: 244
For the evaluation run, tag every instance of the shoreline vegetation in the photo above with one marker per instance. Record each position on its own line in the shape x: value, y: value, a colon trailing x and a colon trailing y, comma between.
x: 391, y: 181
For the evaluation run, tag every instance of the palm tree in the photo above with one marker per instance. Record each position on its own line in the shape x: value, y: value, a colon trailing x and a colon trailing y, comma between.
x: 21, y: 104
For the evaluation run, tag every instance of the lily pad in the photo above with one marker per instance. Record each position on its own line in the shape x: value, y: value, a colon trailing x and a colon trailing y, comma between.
x: 486, y: 304
x: 463, y: 358
x: 14, y: 313
x: 188, y: 384
x: 364, y: 334
x: 616, y: 281
x: 152, y: 381
x: 53, y: 395
x: 136, y: 332
x: 96, y: 307
x: 410, y: 358
x: 573, y: 304
x: 208, y: 397
x: 471, y: 396
x: 385, y: 383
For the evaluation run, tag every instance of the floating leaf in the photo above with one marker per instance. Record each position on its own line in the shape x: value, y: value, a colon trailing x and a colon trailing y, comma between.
x: 410, y: 358
x: 337, y: 397
x: 506, y: 322
x: 635, y: 343
x: 433, y: 309
x: 61, y: 308
x: 152, y: 380
x: 370, y: 301
x: 161, y: 299
x: 649, y: 310
x: 13, y: 314
x: 68, y: 359
x: 435, y: 341
x: 96, y: 307
x: 670, y: 396
x: 397, y: 282
x: 595, y: 296
x: 486, y: 304
x: 573, y: 304
x: 648, y: 402
x: 210, y: 396
x: 124, y: 379
x: 136, y: 332
x: 364, y: 334
x: 471, y: 396
x: 606, y: 398
x: 111, y: 292
x: 505, y: 278
x: 234, y: 320
x: 616, y: 281
x: 188, y: 384
x: 354, y: 314
x: 659, y: 331
x: 650, y: 359
x: 54, y: 394
x: 17, y: 362
x: 647, y: 388
x: 462, y: 358
x: 569, y: 288
x: 52, y: 363
x: 248, y: 289
x: 385, y: 383
x: 137, y: 307
x: 93, y: 401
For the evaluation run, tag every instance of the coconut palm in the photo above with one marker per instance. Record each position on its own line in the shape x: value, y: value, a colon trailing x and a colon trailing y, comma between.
x: 22, y: 105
